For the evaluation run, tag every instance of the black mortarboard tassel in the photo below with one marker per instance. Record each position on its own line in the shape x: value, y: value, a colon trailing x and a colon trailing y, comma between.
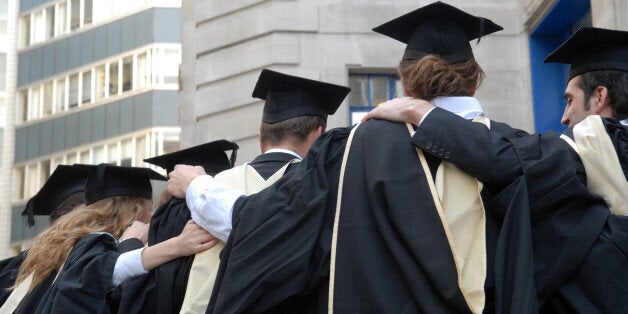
x: 63, y: 182
x: 593, y: 49
x: 211, y: 156
x: 438, y: 29
x: 290, y: 96
x: 107, y: 180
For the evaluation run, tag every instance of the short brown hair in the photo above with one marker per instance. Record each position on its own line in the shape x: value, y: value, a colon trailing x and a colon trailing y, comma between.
x: 615, y: 81
x: 430, y: 77
x: 297, y: 127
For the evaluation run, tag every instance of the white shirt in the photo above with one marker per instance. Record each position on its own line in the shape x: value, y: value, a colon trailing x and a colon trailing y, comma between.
x: 463, y: 106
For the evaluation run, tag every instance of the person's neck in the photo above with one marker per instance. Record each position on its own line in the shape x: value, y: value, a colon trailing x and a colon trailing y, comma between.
x: 287, y: 146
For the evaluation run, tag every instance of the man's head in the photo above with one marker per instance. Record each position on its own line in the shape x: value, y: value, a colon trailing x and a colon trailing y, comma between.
x: 598, y: 78
x: 296, y: 109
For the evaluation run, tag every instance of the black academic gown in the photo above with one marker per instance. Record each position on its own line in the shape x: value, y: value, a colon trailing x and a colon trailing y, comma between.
x: 579, y: 248
x: 83, y: 283
x: 392, y: 253
x: 9, y: 269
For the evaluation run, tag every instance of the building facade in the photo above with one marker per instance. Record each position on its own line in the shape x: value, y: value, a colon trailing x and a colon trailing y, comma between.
x: 97, y: 81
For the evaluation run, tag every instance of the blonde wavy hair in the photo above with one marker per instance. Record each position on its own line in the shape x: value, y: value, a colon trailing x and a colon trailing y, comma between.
x: 52, y: 247
x: 431, y: 77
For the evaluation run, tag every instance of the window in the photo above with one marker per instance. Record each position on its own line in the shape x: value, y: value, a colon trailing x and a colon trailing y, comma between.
x: 100, y: 82
x: 25, y: 31
x: 87, y: 12
x: 112, y: 154
x: 21, y: 114
x: 369, y: 90
x: 143, y: 70
x: 86, y: 95
x: 127, y: 153
x: 48, y: 97
x: 38, y: 30
x: 113, y: 78
x: 75, y: 16
x: 127, y: 74
x: 18, y: 183
x: 84, y: 157
x: 32, y: 184
x: 62, y: 18
x: 34, y: 103
x: 60, y: 90
x: 74, y: 88
x: 99, y: 155
x: 50, y: 22
x: 44, y: 172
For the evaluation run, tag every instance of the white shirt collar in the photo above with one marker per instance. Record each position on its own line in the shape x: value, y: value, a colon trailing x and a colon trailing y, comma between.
x: 624, y: 122
x: 282, y: 150
x: 464, y: 106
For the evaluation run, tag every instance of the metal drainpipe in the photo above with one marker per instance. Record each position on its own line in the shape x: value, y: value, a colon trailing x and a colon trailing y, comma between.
x: 8, y: 141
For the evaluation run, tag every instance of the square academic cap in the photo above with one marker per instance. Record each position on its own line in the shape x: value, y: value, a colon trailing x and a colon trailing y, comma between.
x: 290, y: 96
x: 63, y: 182
x: 593, y: 49
x: 439, y: 29
x: 211, y: 156
x: 107, y: 180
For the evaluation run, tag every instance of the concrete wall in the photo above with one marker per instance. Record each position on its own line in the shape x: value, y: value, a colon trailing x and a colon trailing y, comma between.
x: 227, y: 43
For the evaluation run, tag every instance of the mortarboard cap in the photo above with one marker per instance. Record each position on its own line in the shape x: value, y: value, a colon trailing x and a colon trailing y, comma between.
x: 107, y: 180
x: 211, y: 156
x: 438, y: 29
x: 593, y: 49
x: 63, y: 182
x: 290, y: 96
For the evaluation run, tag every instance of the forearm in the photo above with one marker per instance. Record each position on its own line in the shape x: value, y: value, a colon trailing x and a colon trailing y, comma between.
x: 211, y: 205
x: 470, y: 146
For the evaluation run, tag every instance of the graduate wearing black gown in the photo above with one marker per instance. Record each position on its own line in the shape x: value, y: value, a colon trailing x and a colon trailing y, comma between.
x: 392, y: 252
x: 162, y: 290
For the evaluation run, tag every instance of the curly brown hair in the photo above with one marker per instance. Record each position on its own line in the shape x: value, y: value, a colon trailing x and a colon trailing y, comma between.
x: 52, y: 247
x: 431, y: 77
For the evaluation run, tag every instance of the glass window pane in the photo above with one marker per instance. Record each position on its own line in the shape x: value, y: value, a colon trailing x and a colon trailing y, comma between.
x: 399, y: 90
x: 71, y: 159
x: 99, y: 155
x: 359, y: 90
x: 22, y: 106
x: 75, y: 17
x: 100, y: 82
x: 143, y: 70
x: 127, y: 73
x: 84, y: 157
x: 38, y: 27
x: 379, y: 90
x: 140, y: 151
x: 48, y: 98
x: 25, y: 30
x: 60, y: 103
x: 113, y: 78
x: 73, y: 94
x: 44, y: 171
x: 87, y: 11
x: 18, y: 183
x: 33, y: 185
x: 50, y: 21
x: 33, y: 104
x: 112, y: 154
x: 55, y: 162
x: 87, y: 87
x: 62, y: 22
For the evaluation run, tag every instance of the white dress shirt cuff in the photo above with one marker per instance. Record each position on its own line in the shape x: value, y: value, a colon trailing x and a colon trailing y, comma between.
x: 128, y: 265
x: 211, y: 205
x: 425, y: 116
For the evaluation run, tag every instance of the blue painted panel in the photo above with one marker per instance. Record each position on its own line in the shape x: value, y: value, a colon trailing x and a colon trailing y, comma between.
x: 142, y: 111
x: 100, y: 43
x: 58, y: 134
x: 167, y: 25
x: 61, y: 51
x: 112, y: 121
x: 36, y: 64
x: 126, y: 115
x: 113, y: 38
x: 127, y: 41
x: 21, y: 139
x: 166, y: 108
x: 87, y: 47
x: 24, y: 69
x: 45, y: 135
x: 32, y: 150
x: 550, y: 79
x: 143, y: 28
x: 74, y: 50
x: 85, y: 127
x: 71, y: 131
x: 98, y: 127
x: 48, y: 59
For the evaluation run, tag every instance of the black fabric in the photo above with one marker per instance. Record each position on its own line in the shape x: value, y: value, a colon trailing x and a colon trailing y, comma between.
x: 268, y: 164
x: 9, y: 269
x: 572, y: 231
x: 83, y: 283
x: 130, y: 245
x: 162, y: 289
x: 290, y: 96
x: 390, y: 251
x: 593, y: 49
x: 440, y: 29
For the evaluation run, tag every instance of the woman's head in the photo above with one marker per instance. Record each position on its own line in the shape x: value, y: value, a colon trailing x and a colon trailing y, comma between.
x: 50, y: 249
x: 431, y: 77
